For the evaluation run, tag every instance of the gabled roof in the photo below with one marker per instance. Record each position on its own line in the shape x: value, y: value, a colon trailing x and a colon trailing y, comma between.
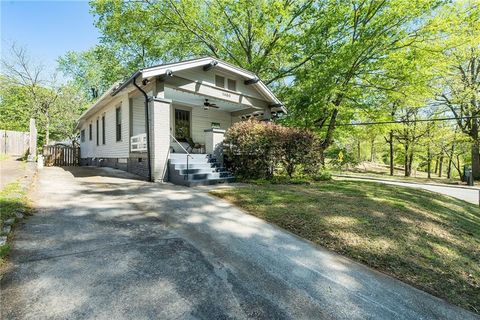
x: 171, y: 68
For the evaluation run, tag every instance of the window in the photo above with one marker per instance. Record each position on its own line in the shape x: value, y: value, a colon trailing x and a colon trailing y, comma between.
x: 232, y: 85
x: 182, y: 125
x: 82, y: 135
x: 103, y: 129
x: 90, y: 132
x: 118, y: 121
x: 97, y: 133
x: 219, y: 81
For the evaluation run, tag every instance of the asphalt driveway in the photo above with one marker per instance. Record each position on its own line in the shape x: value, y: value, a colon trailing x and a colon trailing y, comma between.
x: 103, y: 246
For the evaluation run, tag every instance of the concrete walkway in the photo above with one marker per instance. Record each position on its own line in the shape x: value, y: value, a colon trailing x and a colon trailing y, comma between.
x: 113, y: 248
x: 469, y: 194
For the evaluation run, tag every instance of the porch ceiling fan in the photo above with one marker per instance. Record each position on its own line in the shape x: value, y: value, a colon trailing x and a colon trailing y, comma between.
x: 207, y: 105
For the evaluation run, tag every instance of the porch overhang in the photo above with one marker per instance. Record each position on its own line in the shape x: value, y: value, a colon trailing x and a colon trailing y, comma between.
x: 166, y: 71
x: 166, y: 74
x: 183, y: 87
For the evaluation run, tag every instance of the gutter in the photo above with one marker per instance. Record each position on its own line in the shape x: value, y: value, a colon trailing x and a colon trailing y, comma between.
x: 147, y: 117
x: 126, y: 83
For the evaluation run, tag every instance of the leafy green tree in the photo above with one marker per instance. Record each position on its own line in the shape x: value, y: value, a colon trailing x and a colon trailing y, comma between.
x: 264, y: 36
x: 15, y: 106
x: 350, y: 41
x: 27, y: 92
x: 68, y: 107
x: 459, y: 26
x: 94, y: 70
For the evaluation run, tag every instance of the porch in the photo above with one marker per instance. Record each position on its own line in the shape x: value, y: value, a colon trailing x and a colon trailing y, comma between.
x: 194, y: 119
x: 194, y: 140
x: 190, y: 105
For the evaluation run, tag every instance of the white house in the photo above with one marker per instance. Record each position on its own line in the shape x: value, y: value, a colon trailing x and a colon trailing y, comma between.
x: 191, y: 104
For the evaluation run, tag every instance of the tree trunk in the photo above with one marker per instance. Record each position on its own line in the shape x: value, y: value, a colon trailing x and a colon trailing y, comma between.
x: 406, y: 161
x: 322, y: 157
x: 358, y: 151
x: 460, y: 173
x: 450, y: 161
x: 475, y: 160
x: 47, y: 131
x: 390, y: 142
x: 449, y: 168
x: 436, y: 165
x: 440, y: 165
x: 475, y: 150
x: 372, y: 150
x: 331, y: 126
x: 410, y: 161
x: 429, y: 162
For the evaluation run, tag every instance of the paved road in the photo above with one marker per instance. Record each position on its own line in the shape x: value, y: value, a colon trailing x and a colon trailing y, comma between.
x: 463, y: 193
x: 112, y: 248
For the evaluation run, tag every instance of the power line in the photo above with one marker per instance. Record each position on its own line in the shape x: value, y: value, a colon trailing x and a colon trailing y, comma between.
x: 403, y: 121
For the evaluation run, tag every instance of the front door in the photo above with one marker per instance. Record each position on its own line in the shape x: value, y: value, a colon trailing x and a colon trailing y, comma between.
x: 182, y: 125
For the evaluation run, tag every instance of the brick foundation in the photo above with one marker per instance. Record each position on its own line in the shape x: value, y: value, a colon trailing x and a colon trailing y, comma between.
x: 136, y: 163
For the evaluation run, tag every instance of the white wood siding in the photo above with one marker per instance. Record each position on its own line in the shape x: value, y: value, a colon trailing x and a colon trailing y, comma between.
x: 111, y: 148
x: 197, y: 74
x: 201, y: 120
x: 138, y: 116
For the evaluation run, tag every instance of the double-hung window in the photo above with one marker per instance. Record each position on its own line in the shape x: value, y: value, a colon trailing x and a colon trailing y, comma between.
x: 219, y: 81
x: 226, y: 83
x: 118, y: 122
x: 98, y: 132
x: 103, y: 129
x: 232, y: 85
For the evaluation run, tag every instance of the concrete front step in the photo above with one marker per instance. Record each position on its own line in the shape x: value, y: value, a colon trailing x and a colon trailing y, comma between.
x: 202, y: 169
x: 191, y: 166
x: 193, y: 183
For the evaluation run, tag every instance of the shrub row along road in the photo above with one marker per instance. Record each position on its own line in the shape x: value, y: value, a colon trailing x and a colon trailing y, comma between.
x: 114, y: 248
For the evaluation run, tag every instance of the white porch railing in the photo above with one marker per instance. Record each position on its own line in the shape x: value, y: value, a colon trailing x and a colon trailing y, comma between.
x: 138, y: 143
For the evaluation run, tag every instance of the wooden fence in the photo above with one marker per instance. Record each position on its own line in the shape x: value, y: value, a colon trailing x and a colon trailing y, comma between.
x: 61, y: 155
x: 14, y: 143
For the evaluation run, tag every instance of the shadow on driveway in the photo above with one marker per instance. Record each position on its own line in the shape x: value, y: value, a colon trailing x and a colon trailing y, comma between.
x: 108, y: 247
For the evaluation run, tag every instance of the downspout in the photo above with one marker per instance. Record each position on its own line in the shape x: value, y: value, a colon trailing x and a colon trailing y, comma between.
x: 147, y: 128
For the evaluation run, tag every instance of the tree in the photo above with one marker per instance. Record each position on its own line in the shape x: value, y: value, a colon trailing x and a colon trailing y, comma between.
x: 26, y: 91
x: 22, y: 72
x: 262, y: 36
x: 460, y: 88
x: 15, y: 106
x: 69, y: 106
x: 95, y: 70
x: 349, y: 43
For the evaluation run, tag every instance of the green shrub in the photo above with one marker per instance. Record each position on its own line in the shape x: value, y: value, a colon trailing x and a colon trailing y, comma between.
x: 323, y: 175
x: 340, y: 156
x: 4, y: 250
x: 255, y: 149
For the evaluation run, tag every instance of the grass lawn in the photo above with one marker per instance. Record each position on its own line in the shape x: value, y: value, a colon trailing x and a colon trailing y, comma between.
x: 12, y: 199
x: 376, y: 170
x: 423, y: 238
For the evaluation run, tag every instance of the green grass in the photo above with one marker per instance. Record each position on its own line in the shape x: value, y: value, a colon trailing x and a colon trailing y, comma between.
x: 12, y: 199
x: 381, y: 171
x: 422, y: 238
x: 3, y: 157
x: 386, y: 176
